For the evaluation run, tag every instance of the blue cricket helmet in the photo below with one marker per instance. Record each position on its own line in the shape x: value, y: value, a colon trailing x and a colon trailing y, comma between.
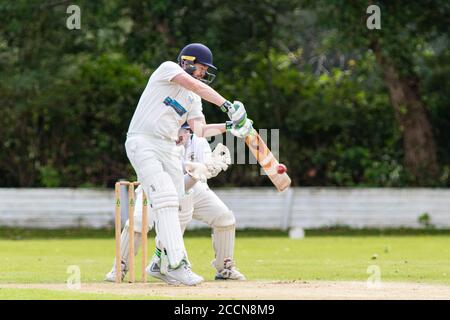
x: 197, y: 53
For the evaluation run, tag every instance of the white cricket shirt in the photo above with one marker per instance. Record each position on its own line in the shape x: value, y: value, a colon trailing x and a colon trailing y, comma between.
x: 164, y: 105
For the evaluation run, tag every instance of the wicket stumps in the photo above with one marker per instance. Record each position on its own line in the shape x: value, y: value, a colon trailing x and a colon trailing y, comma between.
x: 118, y: 231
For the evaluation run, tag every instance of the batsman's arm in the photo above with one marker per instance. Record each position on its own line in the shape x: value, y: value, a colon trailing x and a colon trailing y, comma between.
x: 236, y: 110
x: 200, y: 88
x: 201, y: 129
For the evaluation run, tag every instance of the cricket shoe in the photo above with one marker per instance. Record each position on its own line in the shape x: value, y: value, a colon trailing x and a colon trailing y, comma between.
x: 111, y: 276
x: 229, y: 272
x: 154, y: 270
x: 184, y: 274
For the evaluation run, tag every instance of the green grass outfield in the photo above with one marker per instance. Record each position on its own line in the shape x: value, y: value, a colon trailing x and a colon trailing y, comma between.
x: 403, y: 258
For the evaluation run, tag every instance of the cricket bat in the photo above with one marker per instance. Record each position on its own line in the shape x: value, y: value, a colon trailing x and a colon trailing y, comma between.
x: 267, y: 160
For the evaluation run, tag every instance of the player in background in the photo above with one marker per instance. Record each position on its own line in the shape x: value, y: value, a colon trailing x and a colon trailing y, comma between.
x: 172, y: 97
x: 206, y: 206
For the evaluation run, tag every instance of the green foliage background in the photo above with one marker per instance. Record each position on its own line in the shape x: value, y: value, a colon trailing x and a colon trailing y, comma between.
x: 67, y: 96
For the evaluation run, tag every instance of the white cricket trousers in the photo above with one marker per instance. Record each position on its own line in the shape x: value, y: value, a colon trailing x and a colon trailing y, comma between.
x: 158, y: 166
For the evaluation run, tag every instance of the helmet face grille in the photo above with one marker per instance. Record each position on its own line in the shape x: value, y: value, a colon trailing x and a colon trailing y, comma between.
x: 197, y: 53
x: 209, y: 77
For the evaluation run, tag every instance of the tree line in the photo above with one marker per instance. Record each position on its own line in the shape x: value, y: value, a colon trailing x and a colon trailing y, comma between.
x: 355, y: 107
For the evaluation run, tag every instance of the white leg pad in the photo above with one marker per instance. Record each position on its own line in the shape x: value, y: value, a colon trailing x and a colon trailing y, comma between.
x: 125, y: 245
x: 223, y: 244
x: 186, y: 210
x: 165, y: 204
x: 169, y: 234
x: 138, y: 212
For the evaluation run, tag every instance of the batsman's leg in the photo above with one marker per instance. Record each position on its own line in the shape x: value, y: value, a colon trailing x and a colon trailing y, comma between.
x: 174, y: 263
x: 163, y: 185
x: 185, y: 216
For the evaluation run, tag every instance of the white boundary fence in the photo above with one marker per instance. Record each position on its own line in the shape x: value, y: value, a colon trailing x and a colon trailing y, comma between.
x: 253, y: 207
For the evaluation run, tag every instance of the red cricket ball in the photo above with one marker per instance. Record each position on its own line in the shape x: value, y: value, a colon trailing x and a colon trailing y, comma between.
x: 281, y: 168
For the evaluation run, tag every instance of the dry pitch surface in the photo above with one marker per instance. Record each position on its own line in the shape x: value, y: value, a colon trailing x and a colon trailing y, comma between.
x: 283, y: 290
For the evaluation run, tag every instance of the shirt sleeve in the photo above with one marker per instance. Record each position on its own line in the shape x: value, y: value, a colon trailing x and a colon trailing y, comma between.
x: 168, y: 70
x: 197, y: 109
x: 202, y: 150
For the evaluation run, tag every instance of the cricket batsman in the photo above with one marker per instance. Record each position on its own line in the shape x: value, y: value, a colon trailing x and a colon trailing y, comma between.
x: 172, y: 97
x: 201, y: 204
